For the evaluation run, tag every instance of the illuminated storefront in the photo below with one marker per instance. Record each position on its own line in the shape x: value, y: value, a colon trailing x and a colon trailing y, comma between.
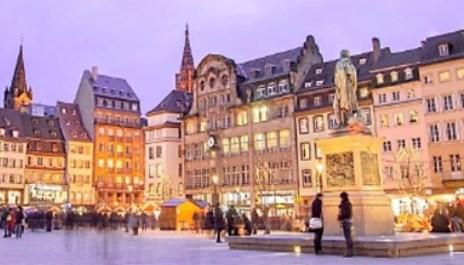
x: 47, y: 194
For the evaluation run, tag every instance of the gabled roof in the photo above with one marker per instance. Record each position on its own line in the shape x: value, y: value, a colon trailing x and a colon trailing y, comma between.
x: 71, y: 122
x: 277, y: 60
x: 455, y: 40
x: 10, y: 120
x: 112, y: 87
x: 174, y: 202
x: 173, y: 103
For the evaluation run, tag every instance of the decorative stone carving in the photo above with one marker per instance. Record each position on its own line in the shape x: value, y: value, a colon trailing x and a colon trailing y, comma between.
x: 370, y: 169
x: 340, y: 169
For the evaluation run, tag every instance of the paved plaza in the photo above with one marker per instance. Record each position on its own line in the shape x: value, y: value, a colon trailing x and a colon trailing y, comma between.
x: 117, y: 248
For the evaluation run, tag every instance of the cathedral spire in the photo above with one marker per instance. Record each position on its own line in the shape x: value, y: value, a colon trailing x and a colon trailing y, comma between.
x: 184, y: 79
x: 18, y: 84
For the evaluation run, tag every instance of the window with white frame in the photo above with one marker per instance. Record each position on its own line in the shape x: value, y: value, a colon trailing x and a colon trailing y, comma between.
x: 384, y: 122
x: 394, y: 76
x: 366, y: 116
x: 387, y: 147
x: 416, y: 143
x: 308, y: 84
x: 319, y: 82
x: 437, y: 164
x: 318, y: 123
x: 261, y: 91
x: 317, y: 101
x: 413, y: 116
x: 408, y: 73
x: 305, y: 151
x: 401, y: 143
x: 455, y: 162
x: 399, y: 119
x: 362, y: 61
x: 260, y: 143
x: 444, y: 76
x: 303, y: 125
x: 271, y: 89
x: 364, y: 92
x: 318, y: 71
x: 234, y: 145
x: 260, y: 114
x: 448, y: 102
x: 379, y: 78
x: 303, y: 103
x: 271, y: 138
x: 451, y: 131
x: 307, y: 177
x: 225, y: 145
x: 431, y: 106
x: 396, y: 95
x: 332, y: 121
x: 244, y: 143
x: 434, y: 133
x: 284, y: 138
x: 382, y: 98
x: 283, y: 86
x: 443, y: 49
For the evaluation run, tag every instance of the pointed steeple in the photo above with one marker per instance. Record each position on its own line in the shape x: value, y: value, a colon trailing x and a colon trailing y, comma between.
x: 184, y: 80
x: 187, y: 58
x: 19, y: 84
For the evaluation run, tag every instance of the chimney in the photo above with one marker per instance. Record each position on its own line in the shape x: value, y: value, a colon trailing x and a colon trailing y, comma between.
x: 94, y: 73
x: 376, y: 50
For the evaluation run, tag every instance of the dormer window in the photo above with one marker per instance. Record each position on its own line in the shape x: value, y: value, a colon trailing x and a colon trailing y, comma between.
x: 15, y: 133
x: 318, y: 71
x: 379, y: 78
x: 51, y: 123
x: 443, y: 49
x: 394, y: 76
x: 67, y: 123
x: 317, y: 101
x: 63, y: 110
x: 408, y: 73
x: 255, y: 73
x: 283, y: 86
x: 362, y: 61
x: 36, y: 131
x: 53, y: 133
x: 73, y: 112
x: 269, y: 69
x: 261, y: 91
x: 364, y: 92
x: 2, y: 132
x: 303, y: 103
x: 319, y: 82
x: 286, y: 65
x: 308, y: 84
x: 271, y: 88
x: 35, y: 121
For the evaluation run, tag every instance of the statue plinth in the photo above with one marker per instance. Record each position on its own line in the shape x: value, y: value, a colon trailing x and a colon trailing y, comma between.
x: 351, y: 156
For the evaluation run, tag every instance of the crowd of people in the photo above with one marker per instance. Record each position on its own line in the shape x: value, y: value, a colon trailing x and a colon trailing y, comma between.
x: 448, y: 218
x: 12, y: 221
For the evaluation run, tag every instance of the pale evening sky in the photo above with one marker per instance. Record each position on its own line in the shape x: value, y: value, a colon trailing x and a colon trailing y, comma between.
x: 142, y: 40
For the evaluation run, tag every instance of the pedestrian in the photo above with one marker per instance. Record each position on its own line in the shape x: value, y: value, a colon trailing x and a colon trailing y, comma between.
x: 144, y: 221
x: 209, y: 221
x: 440, y: 222
x: 49, y: 220
x: 316, y: 223
x: 11, y: 222
x: 254, y: 220
x: 247, y: 224
x: 266, y: 221
x: 344, y: 217
x: 218, y: 222
x: 134, y: 223
x: 126, y: 220
x: 196, y: 222
x: 4, y: 222
x: 231, y: 216
x: 19, y: 222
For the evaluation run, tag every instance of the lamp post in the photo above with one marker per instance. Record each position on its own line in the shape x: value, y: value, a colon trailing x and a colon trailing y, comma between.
x: 215, y: 197
x: 319, y: 171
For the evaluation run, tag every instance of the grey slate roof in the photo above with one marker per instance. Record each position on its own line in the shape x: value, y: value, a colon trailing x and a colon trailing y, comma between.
x: 71, y: 123
x: 112, y: 87
x: 47, y: 128
x: 430, y: 46
x: 408, y: 57
x: 328, y: 70
x: 173, y: 102
x: 10, y: 120
x: 245, y: 69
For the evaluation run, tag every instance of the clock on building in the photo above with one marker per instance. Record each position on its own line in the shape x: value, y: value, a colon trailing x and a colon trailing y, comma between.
x: 211, y: 141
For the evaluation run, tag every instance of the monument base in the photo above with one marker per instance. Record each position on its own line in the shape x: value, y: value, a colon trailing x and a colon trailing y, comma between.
x: 352, y: 165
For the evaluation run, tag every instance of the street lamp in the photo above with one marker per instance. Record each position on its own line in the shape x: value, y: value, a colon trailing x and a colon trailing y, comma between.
x: 319, y: 170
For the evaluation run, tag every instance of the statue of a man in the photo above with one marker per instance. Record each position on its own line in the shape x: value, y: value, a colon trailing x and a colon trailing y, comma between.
x: 345, y: 102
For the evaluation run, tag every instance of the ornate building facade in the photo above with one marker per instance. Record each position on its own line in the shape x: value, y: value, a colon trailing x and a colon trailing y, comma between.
x: 110, y: 112
x: 18, y: 96
x: 239, y: 134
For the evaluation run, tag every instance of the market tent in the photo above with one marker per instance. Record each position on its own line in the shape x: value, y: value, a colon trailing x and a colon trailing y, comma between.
x: 177, y: 214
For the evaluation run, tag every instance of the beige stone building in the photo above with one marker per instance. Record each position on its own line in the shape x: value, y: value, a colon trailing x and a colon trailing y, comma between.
x: 239, y: 135
x: 79, y: 155
x: 12, y: 157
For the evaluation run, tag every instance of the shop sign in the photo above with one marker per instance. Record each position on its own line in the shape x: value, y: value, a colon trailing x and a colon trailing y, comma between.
x: 47, y: 193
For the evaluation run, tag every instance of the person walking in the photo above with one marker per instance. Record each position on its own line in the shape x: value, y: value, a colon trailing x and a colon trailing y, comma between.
x: 11, y: 222
x: 266, y: 221
x: 316, y: 223
x: 218, y: 222
x: 19, y: 222
x: 254, y: 221
x: 231, y: 217
x: 344, y: 217
x: 48, y: 220
x: 209, y: 221
x: 4, y: 222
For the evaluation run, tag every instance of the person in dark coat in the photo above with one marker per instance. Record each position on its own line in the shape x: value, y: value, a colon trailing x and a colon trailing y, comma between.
x: 209, y: 221
x: 254, y: 221
x: 316, y: 212
x: 440, y: 222
x: 19, y: 222
x: 49, y: 220
x: 248, y: 225
x: 231, y: 217
x: 219, y: 223
x: 344, y: 217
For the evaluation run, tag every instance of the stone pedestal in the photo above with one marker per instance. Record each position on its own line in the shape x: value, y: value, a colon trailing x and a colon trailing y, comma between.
x: 351, y: 159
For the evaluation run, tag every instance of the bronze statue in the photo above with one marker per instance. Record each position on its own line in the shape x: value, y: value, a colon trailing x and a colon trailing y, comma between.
x: 345, y: 102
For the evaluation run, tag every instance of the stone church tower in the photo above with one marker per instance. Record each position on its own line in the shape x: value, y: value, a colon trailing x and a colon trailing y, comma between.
x: 18, y: 95
x: 184, y: 79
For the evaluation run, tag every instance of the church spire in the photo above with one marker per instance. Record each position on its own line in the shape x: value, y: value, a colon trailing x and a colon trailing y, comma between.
x: 18, y: 84
x: 184, y: 80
